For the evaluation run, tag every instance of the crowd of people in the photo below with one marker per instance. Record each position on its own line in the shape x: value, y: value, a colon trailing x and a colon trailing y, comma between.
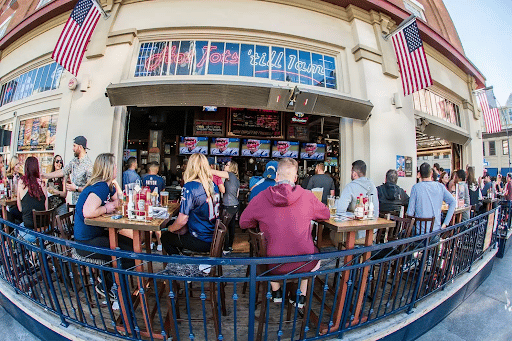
x: 277, y: 205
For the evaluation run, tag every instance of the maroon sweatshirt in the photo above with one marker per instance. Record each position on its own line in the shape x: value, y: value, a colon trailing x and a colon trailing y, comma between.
x: 284, y: 213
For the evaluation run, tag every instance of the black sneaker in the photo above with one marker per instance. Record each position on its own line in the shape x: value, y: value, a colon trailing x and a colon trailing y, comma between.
x: 302, y: 300
x: 101, y: 292
x: 277, y: 296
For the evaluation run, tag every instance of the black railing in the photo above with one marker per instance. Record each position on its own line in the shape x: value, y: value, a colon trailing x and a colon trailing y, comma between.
x: 234, y: 301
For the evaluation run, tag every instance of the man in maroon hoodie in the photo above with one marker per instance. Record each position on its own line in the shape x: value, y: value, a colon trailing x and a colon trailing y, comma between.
x: 284, y: 213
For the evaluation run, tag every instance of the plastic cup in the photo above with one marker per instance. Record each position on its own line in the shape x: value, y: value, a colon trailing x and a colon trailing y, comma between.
x: 318, y: 192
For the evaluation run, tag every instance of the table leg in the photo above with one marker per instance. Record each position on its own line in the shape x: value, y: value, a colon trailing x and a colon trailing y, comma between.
x: 366, y: 256
x: 4, y: 212
x: 112, y: 232
x: 137, y: 247
x: 338, y: 312
x: 147, y: 238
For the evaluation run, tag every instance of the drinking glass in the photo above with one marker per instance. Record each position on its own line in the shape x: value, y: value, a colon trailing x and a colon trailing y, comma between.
x: 164, y: 198
x: 331, y: 202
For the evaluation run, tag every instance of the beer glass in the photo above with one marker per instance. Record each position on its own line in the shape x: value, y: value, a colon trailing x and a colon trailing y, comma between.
x: 331, y: 202
x: 164, y: 198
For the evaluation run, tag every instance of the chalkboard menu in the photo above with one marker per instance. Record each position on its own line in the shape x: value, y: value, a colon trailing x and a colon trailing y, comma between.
x: 208, y: 128
x: 257, y: 123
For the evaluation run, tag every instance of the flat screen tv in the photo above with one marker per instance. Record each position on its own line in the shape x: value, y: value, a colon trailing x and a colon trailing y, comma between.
x: 285, y: 149
x: 191, y: 145
x: 312, y: 151
x: 223, y: 146
x: 255, y: 148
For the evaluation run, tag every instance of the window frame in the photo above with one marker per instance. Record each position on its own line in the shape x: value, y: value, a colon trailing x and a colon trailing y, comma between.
x: 503, y: 147
x: 5, y: 25
x: 492, y: 148
x: 42, y: 3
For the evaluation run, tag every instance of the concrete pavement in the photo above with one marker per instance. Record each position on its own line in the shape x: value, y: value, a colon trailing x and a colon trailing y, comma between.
x: 486, y: 314
x: 13, y: 331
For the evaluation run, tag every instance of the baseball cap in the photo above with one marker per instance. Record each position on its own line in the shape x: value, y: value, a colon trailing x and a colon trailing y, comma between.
x: 270, y: 171
x: 82, y: 141
x: 211, y: 160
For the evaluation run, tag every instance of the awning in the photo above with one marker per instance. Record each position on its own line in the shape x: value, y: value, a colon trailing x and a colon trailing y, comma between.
x: 440, y: 128
x: 492, y: 171
x: 236, y: 94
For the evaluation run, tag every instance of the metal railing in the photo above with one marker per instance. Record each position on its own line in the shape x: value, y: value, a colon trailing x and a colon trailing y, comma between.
x: 235, y: 302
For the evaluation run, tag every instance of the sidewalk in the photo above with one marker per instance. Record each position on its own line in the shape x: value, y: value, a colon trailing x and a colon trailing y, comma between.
x: 12, y: 329
x: 486, y: 314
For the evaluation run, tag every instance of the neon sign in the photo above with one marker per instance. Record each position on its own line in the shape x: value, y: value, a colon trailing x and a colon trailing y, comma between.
x: 235, y: 59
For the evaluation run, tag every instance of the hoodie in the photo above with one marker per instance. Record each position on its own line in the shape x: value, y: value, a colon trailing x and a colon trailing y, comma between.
x: 284, y: 213
x: 348, y: 198
x: 391, y: 197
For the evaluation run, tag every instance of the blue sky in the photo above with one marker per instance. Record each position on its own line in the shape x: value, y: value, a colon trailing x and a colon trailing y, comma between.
x: 485, y: 29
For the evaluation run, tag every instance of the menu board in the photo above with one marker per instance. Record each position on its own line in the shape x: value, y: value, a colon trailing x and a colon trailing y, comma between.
x: 37, y: 134
x: 297, y: 132
x: 208, y: 128
x: 247, y: 122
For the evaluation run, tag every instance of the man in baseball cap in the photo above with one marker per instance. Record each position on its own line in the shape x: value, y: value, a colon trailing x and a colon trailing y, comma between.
x: 78, y: 170
x: 258, y: 183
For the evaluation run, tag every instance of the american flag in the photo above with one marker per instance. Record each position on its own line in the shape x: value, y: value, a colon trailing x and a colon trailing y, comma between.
x: 411, y: 58
x: 75, y: 37
x: 491, y: 115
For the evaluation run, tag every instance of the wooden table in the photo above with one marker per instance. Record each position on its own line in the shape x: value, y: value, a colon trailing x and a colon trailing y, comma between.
x: 350, y: 229
x: 457, y: 214
x: 139, y: 229
x: 4, y: 202
x: 489, y: 203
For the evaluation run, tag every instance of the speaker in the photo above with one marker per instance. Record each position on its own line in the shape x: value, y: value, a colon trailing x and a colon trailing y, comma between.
x: 397, y: 101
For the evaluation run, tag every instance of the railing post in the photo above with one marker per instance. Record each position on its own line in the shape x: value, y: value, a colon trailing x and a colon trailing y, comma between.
x: 475, y: 241
x: 50, y: 283
x: 420, y: 277
x: 252, y: 301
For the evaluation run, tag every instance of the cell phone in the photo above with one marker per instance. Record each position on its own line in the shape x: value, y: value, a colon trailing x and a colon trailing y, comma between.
x: 117, y: 216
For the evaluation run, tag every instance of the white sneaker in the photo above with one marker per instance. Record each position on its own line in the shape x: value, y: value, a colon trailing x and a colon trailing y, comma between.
x: 159, y: 247
x: 152, y: 246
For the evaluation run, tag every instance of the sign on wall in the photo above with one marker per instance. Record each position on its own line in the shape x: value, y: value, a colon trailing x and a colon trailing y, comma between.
x: 190, y: 57
x: 37, y: 134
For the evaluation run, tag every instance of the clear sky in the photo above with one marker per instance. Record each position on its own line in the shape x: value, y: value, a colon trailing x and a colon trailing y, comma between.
x: 485, y: 29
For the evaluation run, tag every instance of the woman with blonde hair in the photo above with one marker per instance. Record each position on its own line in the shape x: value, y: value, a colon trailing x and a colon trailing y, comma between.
x: 97, y: 198
x: 194, y: 227
x: 14, y: 168
x: 14, y: 173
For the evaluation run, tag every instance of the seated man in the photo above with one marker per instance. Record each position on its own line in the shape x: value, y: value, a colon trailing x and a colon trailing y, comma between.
x: 427, y: 197
x: 284, y: 213
x: 152, y: 179
x: 391, y: 197
x: 260, y: 183
x: 360, y: 185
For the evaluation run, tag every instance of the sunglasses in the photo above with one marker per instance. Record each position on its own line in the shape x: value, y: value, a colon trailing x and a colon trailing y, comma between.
x: 58, y: 161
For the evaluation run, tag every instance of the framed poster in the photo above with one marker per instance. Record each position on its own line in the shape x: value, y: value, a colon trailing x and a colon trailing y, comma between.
x: 408, y: 166
x: 37, y: 134
x: 208, y: 128
x: 400, y: 165
x: 492, y: 225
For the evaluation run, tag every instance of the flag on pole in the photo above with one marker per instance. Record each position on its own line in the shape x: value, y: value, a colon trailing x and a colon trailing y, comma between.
x: 75, y: 37
x: 411, y: 57
x: 491, y: 115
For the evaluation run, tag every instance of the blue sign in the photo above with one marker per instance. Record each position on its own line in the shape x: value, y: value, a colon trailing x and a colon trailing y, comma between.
x: 236, y: 59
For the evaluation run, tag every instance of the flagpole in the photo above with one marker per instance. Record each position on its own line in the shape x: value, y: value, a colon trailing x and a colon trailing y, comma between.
x: 402, y: 24
x: 101, y: 9
x: 506, y: 129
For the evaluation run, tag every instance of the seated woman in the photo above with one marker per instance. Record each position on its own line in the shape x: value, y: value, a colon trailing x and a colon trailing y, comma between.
x: 199, y: 209
x: 31, y: 195
x: 56, y: 187
x: 14, y: 173
x: 97, y: 198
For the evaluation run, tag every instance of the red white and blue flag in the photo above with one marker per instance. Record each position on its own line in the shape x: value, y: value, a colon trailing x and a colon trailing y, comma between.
x: 491, y: 113
x: 412, y: 59
x: 75, y: 37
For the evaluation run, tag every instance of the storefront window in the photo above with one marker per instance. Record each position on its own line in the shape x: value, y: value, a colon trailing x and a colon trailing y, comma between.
x: 235, y: 59
x: 38, y: 80
x: 435, y: 105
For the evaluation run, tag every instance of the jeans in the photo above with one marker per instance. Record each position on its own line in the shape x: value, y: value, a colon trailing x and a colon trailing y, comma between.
x: 231, y: 212
x: 174, y: 243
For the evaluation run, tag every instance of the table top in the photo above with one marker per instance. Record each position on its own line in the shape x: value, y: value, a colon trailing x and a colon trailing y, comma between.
x: 488, y: 200
x: 457, y: 210
x: 358, y: 225
x: 7, y: 201
x: 125, y: 223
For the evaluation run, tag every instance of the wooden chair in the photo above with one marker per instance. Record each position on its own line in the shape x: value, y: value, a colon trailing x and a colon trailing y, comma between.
x: 258, y: 243
x: 422, y: 225
x: 71, y: 208
x: 402, y: 229
x: 215, y: 251
x: 44, y: 221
